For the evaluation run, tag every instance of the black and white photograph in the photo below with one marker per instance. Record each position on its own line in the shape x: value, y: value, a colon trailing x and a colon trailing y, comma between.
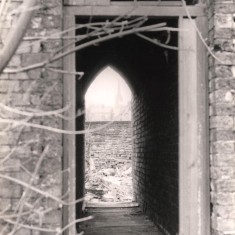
x: 117, y: 117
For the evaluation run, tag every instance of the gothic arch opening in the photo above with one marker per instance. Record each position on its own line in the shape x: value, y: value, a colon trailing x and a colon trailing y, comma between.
x: 108, y: 151
x: 152, y: 74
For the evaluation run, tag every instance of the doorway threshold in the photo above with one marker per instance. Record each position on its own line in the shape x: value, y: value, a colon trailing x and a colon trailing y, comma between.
x: 111, y: 204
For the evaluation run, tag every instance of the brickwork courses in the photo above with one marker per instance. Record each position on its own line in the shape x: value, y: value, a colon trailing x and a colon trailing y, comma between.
x: 22, y: 146
x: 221, y: 78
x: 111, y: 146
x: 108, y: 162
x: 42, y: 89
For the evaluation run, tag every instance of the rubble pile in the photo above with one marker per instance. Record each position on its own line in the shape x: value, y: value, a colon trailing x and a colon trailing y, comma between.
x: 109, y: 185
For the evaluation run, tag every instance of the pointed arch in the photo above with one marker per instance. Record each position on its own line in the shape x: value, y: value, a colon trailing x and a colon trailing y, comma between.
x: 100, y: 68
x: 109, y: 93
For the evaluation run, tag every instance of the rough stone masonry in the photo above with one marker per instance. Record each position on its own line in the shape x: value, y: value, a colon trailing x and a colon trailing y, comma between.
x: 22, y: 147
x: 221, y: 93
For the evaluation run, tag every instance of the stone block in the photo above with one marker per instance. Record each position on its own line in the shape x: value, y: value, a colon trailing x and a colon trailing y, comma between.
x: 17, y: 76
x: 51, y: 45
x: 225, y: 58
x: 23, y: 231
x: 11, y: 165
x: 221, y: 96
x: 19, y: 99
x: 222, y: 122
x: 54, y: 9
x: 14, y: 86
x: 22, y: 152
x: 226, y: 33
x: 223, y: 147
x: 223, y: 160
x: 5, y: 203
x: 225, y: 135
x: 4, y: 76
x: 53, y: 217
x: 227, y: 185
x: 222, y: 109
x: 223, y: 21
x: 222, y: 173
x: 33, y: 58
x: 36, y: 22
x: 224, y: 45
x: 223, y: 71
x: 4, y: 150
x: 54, y: 190
x: 49, y: 75
x: 223, y: 199
x: 225, y: 224
x: 226, y: 212
x: 225, y: 8
x: 24, y: 47
x: 15, y: 61
x: 10, y: 191
x: 52, y: 21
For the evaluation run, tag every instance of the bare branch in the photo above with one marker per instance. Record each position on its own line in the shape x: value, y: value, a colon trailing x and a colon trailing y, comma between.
x: 16, y: 34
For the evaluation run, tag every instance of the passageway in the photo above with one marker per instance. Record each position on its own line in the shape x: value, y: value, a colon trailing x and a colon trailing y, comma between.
x: 118, y: 221
x: 152, y: 74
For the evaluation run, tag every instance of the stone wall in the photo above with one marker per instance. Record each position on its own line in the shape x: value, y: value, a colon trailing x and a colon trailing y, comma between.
x: 222, y: 91
x: 110, y: 146
x: 29, y: 154
x: 155, y: 152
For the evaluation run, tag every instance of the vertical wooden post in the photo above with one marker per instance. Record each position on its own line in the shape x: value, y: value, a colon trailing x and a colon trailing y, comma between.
x: 69, y: 144
x: 203, y: 128
x: 194, y: 165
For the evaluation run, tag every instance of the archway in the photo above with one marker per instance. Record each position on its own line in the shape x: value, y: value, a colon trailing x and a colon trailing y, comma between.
x: 192, y: 100
x: 152, y: 74
x: 108, y: 151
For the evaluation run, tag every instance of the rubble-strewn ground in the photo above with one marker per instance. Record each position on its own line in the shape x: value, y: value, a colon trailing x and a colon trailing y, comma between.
x: 109, y: 185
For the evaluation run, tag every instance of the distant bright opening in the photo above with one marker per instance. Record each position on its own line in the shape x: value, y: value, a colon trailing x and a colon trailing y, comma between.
x: 108, y: 156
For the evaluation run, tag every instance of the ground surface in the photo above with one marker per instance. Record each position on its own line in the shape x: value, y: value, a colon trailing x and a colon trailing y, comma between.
x: 118, y: 221
x: 109, y: 185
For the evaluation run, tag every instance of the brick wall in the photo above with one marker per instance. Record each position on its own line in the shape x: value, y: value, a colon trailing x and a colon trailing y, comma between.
x: 155, y: 126
x: 222, y: 85
x: 21, y: 147
x: 109, y: 145
x: 155, y: 119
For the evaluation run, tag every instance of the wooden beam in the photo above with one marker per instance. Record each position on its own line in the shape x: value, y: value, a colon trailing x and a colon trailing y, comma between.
x: 194, y: 157
x: 188, y: 126
x: 203, y: 128
x: 69, y: 148
x: 125, y: 3
x: 116, y: 10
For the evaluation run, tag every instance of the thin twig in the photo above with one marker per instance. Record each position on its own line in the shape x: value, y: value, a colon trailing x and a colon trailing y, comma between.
x: 19, y: 208
x: 35, y: 189
x: 156, y: 42
x: 65, y: 72
x: 35, y: 113
x: 57, y: 130
x: 156, y: 27
x: 16, y: 34
x: 199, y: 34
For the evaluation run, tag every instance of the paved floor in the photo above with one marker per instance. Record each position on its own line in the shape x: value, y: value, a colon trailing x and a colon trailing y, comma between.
x: 118, y: 221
